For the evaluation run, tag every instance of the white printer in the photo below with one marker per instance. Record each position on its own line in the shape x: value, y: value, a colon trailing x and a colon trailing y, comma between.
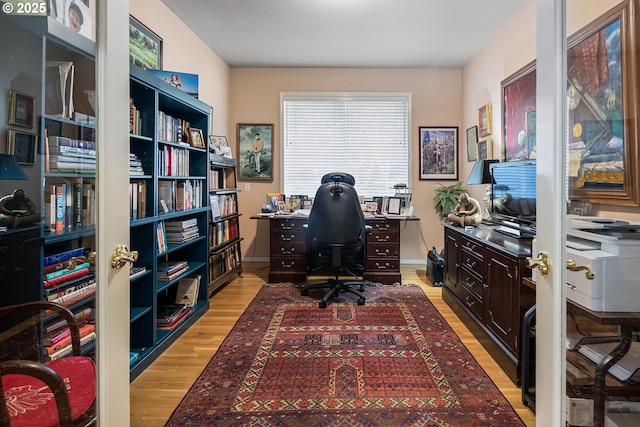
x: 611, y: 248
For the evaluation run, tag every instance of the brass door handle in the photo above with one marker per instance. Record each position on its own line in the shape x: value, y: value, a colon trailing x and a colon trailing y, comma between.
x: 73, y: 262
x: 122, y: 255
x: 542, y: 262
x: 571, y: 265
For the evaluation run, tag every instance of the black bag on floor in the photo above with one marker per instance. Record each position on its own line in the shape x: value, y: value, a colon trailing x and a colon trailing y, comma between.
x: 435, y: 267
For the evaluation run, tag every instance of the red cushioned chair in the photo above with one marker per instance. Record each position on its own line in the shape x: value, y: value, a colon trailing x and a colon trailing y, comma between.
x: 37, y: 394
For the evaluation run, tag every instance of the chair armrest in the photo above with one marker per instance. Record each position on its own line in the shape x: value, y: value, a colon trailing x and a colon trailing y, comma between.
x: 44, y: 374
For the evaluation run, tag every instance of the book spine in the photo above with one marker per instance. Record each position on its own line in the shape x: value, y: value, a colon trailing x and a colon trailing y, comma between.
x: 66, y: 341
x: 68, y: 349
x: 62, y: 279
x: 65, y: 271
x: 62, y: 256
x: 72, y: 152
x: 80, y: 284
x: 82, y: 315
x: 71, y: 295
x: 77, y: 202
x: 69, y: 142
x: 61, y: 201
x: 56, y: 338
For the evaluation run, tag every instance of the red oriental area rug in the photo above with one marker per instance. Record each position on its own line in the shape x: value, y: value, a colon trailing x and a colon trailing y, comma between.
x: 391, y: 362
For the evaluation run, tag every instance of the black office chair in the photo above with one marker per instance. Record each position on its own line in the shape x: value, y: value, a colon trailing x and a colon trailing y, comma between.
x: 336, y: 237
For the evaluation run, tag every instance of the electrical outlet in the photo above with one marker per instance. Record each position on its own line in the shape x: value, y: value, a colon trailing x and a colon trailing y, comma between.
x: 247, y: 187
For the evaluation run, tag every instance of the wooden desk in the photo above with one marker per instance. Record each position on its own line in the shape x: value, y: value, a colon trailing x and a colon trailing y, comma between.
x: 628, y: 322
x: 288, y: 247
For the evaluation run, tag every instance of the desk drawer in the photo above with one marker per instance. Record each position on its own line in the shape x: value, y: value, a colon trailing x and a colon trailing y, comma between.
x: 383, y: 250
x: 474, y: 263
x: 382, y: 265
x: 288, y: 248
x: 384, y: 226
x: 297, y: 264
x: 472, y: 247
x: 287, y: 225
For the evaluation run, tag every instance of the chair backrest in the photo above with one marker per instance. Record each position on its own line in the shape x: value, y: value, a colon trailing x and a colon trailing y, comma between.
x: 336, y: 217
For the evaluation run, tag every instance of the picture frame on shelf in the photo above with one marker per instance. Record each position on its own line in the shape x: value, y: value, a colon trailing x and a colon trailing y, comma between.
x: 602, y: 120
x: 472, y: 144
x: 219, y: 145
x: 484, y: 120
x: 255, y: 152
x: 186, y: 82
x: 518, y: 118
x: 394, y: 206
x: 196, y: 138
x: 74, y: 14
x: 438, y: 155
x: 22, y: 145
x: 21, y: 109
x: 145, y: 46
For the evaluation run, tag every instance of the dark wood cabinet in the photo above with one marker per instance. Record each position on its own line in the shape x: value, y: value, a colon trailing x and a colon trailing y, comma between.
x: 288, y: 250
x: 20, y: 276
x: 483, y: 284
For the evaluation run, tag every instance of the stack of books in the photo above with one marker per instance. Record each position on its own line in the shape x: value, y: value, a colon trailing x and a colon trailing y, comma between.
x: 71, y: 155
x: 171, y: 315
x: 135, y: 165
x: 181, y: 231
x: 65, y: 281
x: 169, y: 270
x: 59, y: 345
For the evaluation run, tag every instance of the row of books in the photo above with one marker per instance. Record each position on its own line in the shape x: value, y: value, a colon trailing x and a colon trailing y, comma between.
x: 137, y: 199
x: 171, y: 129
x: 169, y: 270
x: 223, y: 232
x: 222, y: 205
x: 135, y: 119
x: 180, y: 231
x: 221, y: 178
x: 64, y: 154
x: 69, y: 203
x: 180, y: 195
x: 173, y: 161
x: 224, y: 261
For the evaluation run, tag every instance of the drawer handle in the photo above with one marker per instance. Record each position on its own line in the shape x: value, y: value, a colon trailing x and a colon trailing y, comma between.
x: 381, y: 228
x: 571, y: 265
x: 382, y: 267
x: 470, y: 245
x: 382, y: 253
x: 284, y: 265
x: 380, y: 239
x: 287, y: 252
x: 286, y: 239
x: 469, y: 283
x: 486, y: 286
x: 471, y: 264
x: 469, y: 303
x: 285, y: 227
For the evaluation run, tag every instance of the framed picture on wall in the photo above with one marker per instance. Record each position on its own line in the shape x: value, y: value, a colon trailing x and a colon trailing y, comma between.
x: 484, y: 120
x: 472, y: 144
x: 519, y: 113
x: 145, y: 46
x: 438, y: 152
x: 21, y: 109
x: 255, y: 152
x: 22, y: 145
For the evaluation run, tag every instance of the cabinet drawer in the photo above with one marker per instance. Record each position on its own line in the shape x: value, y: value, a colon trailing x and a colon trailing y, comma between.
x: 472, y: 247
x: 383, y: 250
x: 474, y: 263
x: 384, y: 226
x: 298, y: 264
x: 472, y: 283
x: 288, y: 248
x: 472, y: 302
x: 383, y: 264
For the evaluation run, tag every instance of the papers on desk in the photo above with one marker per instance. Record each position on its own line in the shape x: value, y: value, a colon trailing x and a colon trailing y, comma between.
x: 302, y: 212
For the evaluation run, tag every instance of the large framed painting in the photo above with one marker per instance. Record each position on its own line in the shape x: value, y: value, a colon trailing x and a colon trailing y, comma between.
x: 602, y: 99
x: 145, y: 46
x: 255, y: 152
x: 438, y: 152
x: 518, y: 114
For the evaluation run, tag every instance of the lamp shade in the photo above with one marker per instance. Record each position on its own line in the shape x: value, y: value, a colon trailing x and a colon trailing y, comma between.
x: 10, y: 169
x: 480, y: 173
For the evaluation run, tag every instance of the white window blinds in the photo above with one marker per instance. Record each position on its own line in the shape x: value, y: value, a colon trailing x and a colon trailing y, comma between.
x: 366, y: 135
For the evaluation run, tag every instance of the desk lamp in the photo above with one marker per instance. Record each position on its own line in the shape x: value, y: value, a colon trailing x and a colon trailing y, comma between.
x: 10, y: 169
x: 480, y: 174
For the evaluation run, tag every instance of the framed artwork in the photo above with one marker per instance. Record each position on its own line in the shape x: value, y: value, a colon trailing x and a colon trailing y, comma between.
x: 485, y: 149
x: 21, y: 109
x: 217, y: 144
x: 394, y: 206
x: 196, y: 139
x: 484, y: 120
x: 255, y: 152
x: 472, y: 144
x: 75, y: 14
x: 186, y: 82
x: 602, y: 99
x: 145, y: 46
x: 519, y: 113
x: 438, y: 152
x: 23, y: 146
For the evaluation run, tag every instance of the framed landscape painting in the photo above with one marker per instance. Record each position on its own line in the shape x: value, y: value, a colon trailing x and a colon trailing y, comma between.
x: 145, y: 46
x: 438, y: 152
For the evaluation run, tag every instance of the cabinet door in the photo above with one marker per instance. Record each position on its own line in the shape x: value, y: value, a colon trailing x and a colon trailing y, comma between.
x: 452, y: 263
x: 500, y: 300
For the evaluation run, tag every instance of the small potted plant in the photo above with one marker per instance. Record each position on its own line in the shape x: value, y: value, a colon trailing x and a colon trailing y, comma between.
x: 446, y: 197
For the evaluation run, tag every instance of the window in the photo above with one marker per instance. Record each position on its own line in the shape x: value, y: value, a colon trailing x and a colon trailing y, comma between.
x: 366, y: 135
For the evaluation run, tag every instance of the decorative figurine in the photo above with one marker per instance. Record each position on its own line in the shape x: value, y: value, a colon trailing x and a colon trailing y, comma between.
x: 17, y: 210
x: 466, y: 212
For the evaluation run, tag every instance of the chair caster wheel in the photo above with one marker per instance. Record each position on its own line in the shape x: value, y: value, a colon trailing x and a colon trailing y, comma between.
x: 360, y: 301
x: 304, y: 292
x: 322, y: 304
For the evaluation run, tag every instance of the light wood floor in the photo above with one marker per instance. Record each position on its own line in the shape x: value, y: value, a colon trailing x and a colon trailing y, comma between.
x: 160, y: 388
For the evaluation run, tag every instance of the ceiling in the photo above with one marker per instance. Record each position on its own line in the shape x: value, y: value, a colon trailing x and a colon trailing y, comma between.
x: 346, y: 33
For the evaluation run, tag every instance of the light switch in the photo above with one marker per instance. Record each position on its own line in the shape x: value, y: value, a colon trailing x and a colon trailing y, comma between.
x: 247, y: 187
